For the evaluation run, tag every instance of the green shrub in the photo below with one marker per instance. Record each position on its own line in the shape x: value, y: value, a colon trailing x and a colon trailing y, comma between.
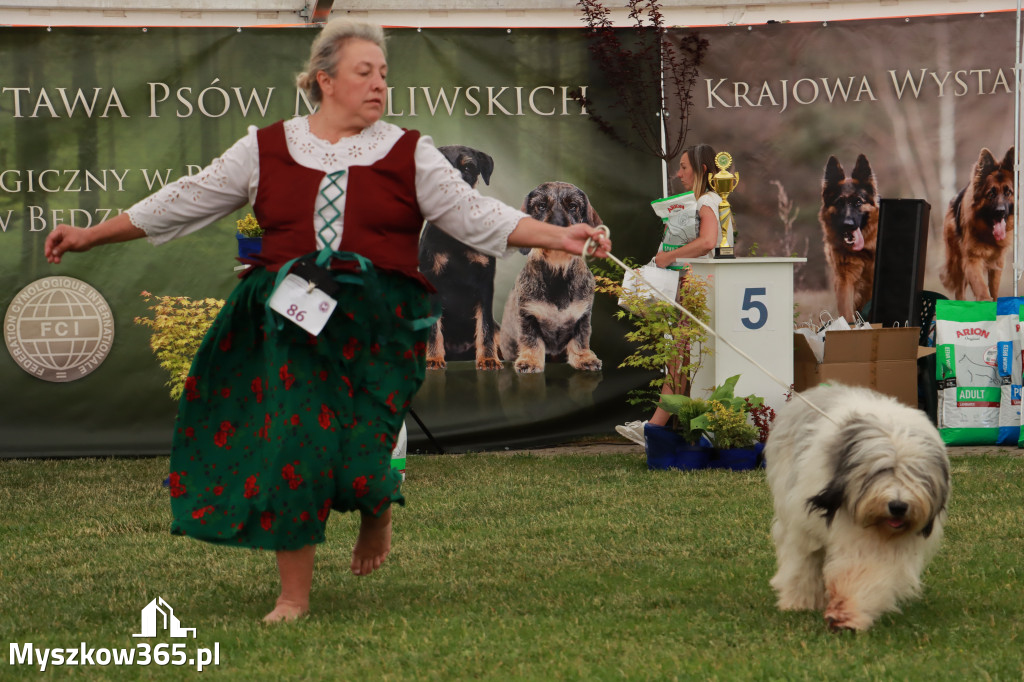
x: 179, y: 324
x: 661, y: 335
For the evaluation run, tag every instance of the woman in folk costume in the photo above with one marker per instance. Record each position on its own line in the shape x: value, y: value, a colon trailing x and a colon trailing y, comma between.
x: 277, y: 426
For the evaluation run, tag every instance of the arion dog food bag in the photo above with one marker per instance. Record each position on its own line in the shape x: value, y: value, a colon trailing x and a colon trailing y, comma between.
x: 966, y: 366
x: 1009, y: 367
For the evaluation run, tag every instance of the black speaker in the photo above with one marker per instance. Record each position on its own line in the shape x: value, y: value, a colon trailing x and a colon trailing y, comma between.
x: 900, y: 254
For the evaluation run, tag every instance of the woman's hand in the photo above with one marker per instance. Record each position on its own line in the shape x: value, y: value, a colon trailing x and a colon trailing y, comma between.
x: 576, y: 237
x: 532, y: 233
x: 663, y: 259
x: 65, y: 238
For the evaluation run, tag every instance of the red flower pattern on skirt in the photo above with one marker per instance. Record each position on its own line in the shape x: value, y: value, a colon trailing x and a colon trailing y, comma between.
x: 267, y: 520
x: 325, y: 417
x: 251, y: 489
x: 360, y: 486
x: 198, y: 513
x: 177, y: 490
x: 257, y: 388
x: 264, y: 432
x: 417, y: 351
x: 288, y: 474
x: 221, y: 437
x: 287, y: 377
x: 191, y: 388
x: 351, y: 348
x: 324, y: 511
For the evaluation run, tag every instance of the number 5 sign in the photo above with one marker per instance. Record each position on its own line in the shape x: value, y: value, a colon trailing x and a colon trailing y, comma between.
x: 751, y: 305
x: 753, y: 312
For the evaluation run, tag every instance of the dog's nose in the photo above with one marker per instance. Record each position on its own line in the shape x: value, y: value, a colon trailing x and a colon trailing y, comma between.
x: 897, y: 508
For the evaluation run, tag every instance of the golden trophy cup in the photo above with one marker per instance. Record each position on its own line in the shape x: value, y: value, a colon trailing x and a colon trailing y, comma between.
x: 724, y: 182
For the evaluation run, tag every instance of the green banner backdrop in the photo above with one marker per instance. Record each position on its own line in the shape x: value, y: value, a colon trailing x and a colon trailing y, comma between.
x: 93, y: 119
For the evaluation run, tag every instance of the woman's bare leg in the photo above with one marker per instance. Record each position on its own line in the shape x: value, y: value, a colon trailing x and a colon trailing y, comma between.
x: 673, y: 384
x: 373, y: 544
x: 661, y: 417
x: 296, y: 570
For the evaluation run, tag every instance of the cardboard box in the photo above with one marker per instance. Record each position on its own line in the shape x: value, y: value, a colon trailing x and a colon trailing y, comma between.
x: 882, y: 359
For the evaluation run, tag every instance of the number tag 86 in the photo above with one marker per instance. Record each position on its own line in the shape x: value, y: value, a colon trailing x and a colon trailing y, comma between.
x: 308, y: 307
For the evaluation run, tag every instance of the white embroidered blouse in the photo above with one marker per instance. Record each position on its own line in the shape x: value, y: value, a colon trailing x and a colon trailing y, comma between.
x: 231, y: 180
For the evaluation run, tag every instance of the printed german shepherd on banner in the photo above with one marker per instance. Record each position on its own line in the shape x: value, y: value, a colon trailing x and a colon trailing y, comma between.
x: 849, y: 224
x: 978, y: 230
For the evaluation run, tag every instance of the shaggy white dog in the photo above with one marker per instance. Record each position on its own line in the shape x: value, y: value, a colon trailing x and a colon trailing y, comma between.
x: 860, y: 499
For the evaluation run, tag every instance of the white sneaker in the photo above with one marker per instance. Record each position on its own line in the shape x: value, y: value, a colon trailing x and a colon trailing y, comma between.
x: 634, y: 431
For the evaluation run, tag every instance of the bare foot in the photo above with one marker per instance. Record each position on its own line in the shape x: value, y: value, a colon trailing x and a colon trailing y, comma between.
x: 285, y: 612
x: 373, y: 544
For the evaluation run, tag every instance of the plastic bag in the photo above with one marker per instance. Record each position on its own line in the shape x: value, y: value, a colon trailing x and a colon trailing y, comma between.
x: 665, y: 281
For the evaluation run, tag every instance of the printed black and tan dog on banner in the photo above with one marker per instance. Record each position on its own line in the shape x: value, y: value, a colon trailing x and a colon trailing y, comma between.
x: 464, y: 279
x: 978, y: 229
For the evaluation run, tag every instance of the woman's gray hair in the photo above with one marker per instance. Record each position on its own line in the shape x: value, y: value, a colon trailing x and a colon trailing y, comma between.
x: 323, y: 55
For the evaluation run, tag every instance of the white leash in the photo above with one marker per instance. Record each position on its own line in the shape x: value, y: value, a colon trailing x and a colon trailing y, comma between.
x: 588, y: 250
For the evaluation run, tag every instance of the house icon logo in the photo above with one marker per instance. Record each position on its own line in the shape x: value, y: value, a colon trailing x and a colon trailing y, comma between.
x: 158, y: 615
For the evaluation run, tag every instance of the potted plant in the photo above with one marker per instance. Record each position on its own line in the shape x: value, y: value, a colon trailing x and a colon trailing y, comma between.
x: 736, y: 439
x: 716, y: 431
x: 687, y: 446
x: 249, y: 236
x: 664, y: 337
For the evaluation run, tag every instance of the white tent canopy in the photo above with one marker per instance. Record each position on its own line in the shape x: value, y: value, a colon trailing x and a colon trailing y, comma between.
x: 467, y: 13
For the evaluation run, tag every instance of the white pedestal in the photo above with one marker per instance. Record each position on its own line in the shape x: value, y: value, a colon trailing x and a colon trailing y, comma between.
x: 751, y: 304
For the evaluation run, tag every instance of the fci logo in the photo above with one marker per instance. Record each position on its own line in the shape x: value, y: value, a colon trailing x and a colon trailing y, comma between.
x: 59, y: 329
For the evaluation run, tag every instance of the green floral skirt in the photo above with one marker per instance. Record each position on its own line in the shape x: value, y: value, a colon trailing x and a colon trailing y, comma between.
x: 277, y: 427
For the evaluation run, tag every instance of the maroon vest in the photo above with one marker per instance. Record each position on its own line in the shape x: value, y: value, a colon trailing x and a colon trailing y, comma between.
x: 382, y: 216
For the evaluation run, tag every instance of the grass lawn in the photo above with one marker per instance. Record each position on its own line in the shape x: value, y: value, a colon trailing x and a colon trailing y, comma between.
x: 503, y: 567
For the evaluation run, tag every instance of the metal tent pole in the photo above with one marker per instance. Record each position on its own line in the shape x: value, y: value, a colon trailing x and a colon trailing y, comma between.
x: 1016, y: 152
